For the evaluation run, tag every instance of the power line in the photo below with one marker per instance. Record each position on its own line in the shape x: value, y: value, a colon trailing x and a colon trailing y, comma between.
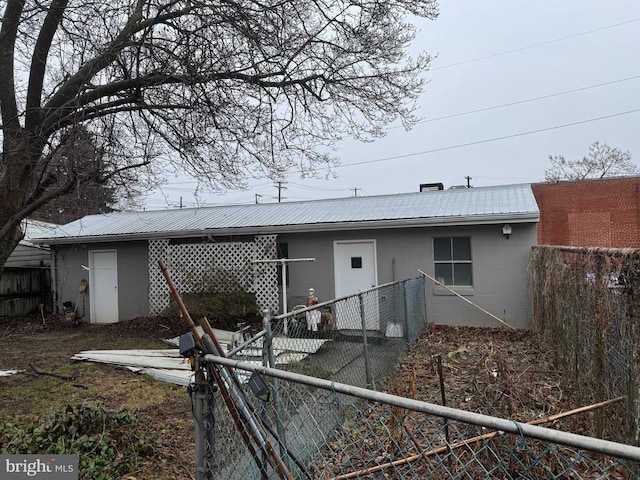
x: 467, y: 144
x: 309, y: 187
x: 488, y: 140
x: 171, y: 188
x: 535, y: 45
x: 519, y: 102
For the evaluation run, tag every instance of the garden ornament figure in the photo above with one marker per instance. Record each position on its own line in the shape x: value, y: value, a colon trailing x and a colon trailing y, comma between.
x: 313, y: 316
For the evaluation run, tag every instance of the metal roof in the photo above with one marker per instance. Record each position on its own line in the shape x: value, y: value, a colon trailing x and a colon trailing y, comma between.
x: 35, y: 229
x: 460, y: 206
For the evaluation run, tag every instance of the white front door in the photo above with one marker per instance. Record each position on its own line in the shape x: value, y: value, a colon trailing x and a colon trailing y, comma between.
x: 356, y: 270
x: 103, y: 286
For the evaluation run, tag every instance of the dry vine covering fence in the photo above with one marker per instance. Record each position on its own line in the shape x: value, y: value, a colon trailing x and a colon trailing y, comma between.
x: 586, y: 303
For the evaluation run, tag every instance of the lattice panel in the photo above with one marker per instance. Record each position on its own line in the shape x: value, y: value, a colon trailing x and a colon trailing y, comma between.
x: 265, y: 277
x: 215, y: 267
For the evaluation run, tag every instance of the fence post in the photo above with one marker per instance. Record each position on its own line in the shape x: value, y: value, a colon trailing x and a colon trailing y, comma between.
x: 407, y: 334
x: 203, y: 430
x: 277, y: 405
x: 365, y: 347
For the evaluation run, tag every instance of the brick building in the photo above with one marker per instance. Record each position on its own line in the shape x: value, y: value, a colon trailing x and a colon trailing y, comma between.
x: 590, y: 213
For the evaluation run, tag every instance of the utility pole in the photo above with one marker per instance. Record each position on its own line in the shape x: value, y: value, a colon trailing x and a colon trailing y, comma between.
x: 468, y: 181
x: 280, y: 186
x: 355, y: 191
x: 258, y: 196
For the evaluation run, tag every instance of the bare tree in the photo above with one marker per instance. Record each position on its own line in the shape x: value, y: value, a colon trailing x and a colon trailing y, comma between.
x: 601, y: 161
x: 221, y: 90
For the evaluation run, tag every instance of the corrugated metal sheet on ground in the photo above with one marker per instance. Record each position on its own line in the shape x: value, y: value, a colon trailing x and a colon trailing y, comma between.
x: 169, y: 366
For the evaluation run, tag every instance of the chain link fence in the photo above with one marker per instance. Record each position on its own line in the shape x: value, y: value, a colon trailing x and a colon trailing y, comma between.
x: 256, y: 422
x: 259, y: 422
x: 586, y: 303
x: 319, y: 429
x: 356, y: 339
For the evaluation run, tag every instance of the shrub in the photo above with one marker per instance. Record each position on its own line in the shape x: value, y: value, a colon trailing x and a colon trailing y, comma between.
x: 224, y: 310
x: 109, y: 443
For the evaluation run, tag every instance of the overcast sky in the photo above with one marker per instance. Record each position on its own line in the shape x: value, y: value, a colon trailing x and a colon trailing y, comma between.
x: 512, y: 82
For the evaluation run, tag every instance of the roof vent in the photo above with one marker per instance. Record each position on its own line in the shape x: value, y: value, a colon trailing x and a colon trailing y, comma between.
x: 431, y: 187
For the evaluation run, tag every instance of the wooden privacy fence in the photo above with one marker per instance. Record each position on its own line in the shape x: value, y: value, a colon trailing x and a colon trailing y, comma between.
x: 22, y: 290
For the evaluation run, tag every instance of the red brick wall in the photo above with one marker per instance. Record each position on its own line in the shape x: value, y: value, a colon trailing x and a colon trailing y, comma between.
x: 589, y: 213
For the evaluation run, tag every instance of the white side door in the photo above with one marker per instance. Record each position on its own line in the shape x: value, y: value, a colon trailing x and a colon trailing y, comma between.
x: 356, y: 270
x: 103, y: 286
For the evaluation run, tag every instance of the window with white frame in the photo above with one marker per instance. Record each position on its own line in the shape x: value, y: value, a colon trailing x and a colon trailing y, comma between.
x: 452, y: 259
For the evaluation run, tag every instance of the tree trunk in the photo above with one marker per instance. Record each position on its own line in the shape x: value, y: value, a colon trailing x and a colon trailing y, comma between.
x: 22, y: 151
x: 8, y: 243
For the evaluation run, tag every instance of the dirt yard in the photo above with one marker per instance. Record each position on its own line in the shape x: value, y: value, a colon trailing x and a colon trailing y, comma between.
x: 491, y: 371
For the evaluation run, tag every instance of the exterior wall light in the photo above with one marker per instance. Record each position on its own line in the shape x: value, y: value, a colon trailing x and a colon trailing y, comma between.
x: 506, y: 231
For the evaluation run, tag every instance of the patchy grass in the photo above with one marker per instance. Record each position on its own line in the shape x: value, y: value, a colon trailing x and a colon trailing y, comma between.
x: 51, y: 382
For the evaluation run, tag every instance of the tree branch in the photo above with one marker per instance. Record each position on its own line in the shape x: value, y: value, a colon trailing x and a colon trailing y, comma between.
x: 53, y: 122
x: 8, y: 33
x: 29, y: 208
x: 107, y: 177
x: 229, y: 86
x: 45, y: 197
x: 73, y: 85
x: 39, y: 62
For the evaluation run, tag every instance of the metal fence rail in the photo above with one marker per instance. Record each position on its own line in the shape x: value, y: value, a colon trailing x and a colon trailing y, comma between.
x: 330, y: 430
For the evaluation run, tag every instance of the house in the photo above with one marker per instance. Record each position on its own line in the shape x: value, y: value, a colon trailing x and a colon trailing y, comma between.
x: 590, y: 213
x: 26, y: 282
x: 28, y: 254
x: 476, y: 241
